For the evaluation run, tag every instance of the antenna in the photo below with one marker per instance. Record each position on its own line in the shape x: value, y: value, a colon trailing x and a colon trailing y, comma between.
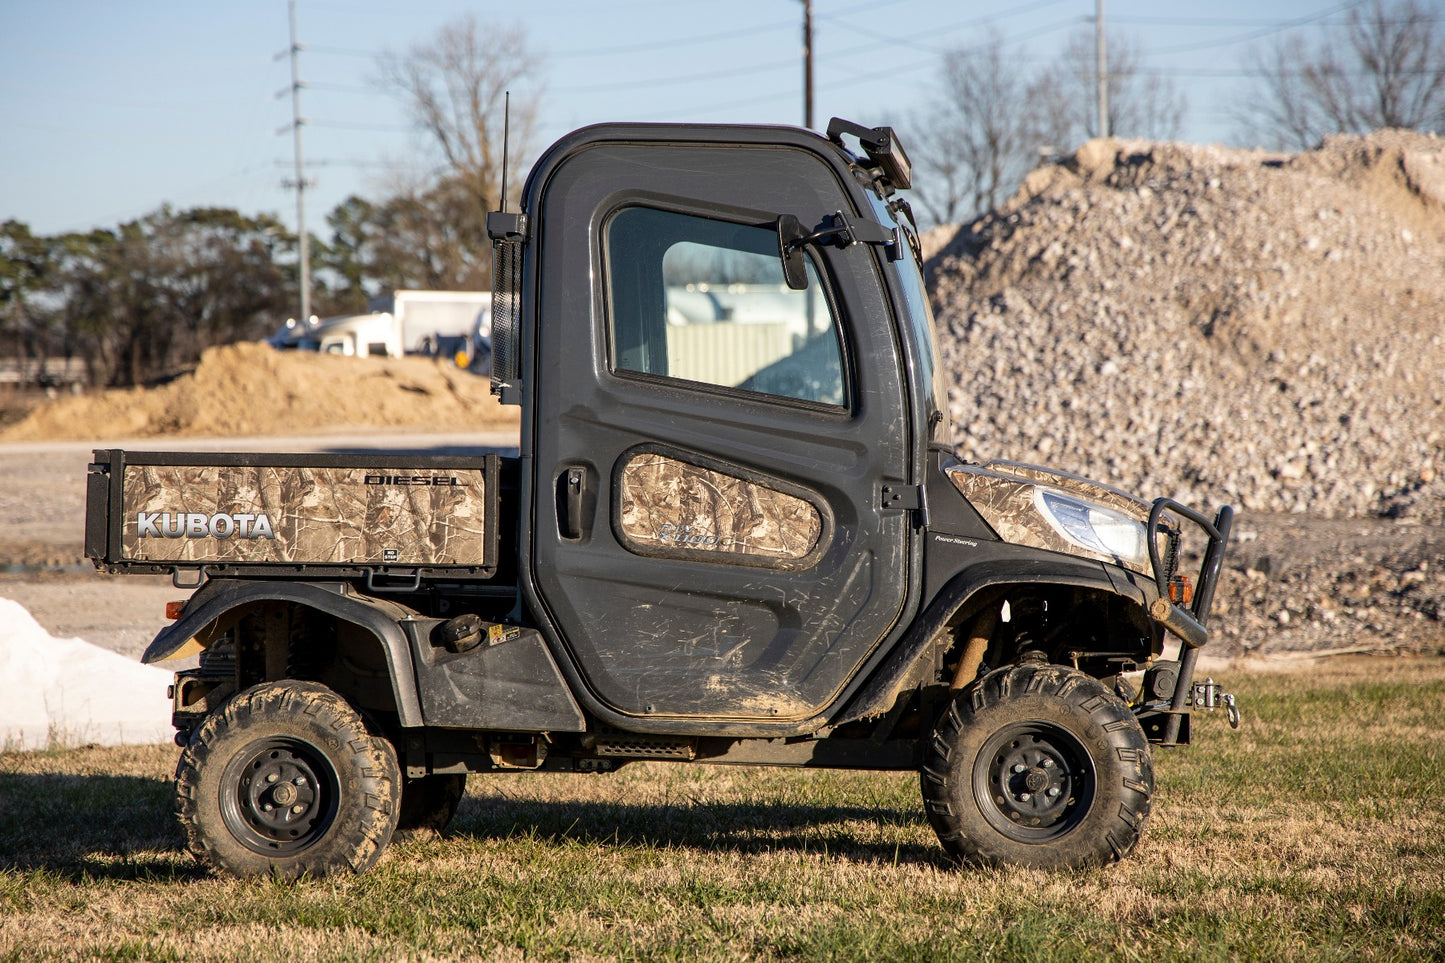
x: 506, y: 134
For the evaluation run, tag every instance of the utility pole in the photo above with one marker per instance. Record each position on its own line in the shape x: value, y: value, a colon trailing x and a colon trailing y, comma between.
x: 808, y: 64
x: 304, y: 250
x: 1101, y: 68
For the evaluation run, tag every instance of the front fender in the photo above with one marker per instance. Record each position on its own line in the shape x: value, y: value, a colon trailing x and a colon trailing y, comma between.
x: 212, y: 602
x: 887, y: 681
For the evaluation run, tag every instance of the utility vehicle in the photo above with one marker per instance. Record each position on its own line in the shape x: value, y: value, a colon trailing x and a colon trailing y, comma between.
x: 736, y: 531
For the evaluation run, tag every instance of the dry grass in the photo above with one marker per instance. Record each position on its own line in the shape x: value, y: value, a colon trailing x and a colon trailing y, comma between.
x: 1313, y: 833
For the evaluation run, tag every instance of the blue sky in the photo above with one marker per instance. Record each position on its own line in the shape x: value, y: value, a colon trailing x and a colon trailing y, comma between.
x: 109, y: 109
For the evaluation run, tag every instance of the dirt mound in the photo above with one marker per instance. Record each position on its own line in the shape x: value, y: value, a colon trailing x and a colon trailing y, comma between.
x: 252, y: 389
x: 1214, y: 324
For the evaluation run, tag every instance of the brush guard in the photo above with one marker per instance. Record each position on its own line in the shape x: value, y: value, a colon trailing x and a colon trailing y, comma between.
x: 1165, y: 718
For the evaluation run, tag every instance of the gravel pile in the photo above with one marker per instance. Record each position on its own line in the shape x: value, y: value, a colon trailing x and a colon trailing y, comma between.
x: 1234, y: 326
x: 1359, y: 585
x: 1212, y: 324
x: 250, y: 389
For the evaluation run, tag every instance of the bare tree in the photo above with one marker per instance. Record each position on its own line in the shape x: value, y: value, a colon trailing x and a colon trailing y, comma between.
x: 1142, y: 103
x: 1384, y: 68
x: 975, y: 140
x: 454, y: 87
x: 991, y: 119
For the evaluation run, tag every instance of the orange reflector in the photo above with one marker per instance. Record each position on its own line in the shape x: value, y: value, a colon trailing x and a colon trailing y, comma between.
x: 1181, y: 591
x: 175, y: 610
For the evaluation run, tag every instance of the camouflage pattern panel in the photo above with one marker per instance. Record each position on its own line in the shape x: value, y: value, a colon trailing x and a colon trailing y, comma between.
x: 676, y: 508
x: 203, y: 514
x: 1090, y: 490
x: 1083, y: 487
x: 1005, y: 499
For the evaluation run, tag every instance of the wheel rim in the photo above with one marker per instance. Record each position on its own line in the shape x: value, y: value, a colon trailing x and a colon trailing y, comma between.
x: 1034, y: 782
x: 279, y: 796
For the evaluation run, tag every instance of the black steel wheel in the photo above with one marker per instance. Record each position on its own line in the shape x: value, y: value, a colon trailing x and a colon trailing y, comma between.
x: 428, y: 803
x: 285, y: 779
x: 1034, y: 781
x: 1038, y: 765
x: 278, y: 795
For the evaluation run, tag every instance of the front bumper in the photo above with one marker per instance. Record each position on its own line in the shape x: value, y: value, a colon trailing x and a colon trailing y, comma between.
x: 1167, y: 723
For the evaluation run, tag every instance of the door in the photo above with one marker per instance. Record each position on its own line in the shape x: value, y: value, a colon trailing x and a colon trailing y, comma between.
x: 710, y: 444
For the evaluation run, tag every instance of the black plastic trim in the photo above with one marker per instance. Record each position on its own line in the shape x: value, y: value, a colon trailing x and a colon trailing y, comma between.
x: 219, y: 596
x: 877, y: 694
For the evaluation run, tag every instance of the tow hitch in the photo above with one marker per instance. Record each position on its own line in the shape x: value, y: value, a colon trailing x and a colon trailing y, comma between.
x: 1206, y: 695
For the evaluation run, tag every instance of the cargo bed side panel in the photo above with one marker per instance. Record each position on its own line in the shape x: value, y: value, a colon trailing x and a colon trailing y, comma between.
x: 156, y: 511
x: 301, y: 515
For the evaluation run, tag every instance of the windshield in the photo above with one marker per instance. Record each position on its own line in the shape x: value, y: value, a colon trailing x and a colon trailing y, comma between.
x: 920, y: 323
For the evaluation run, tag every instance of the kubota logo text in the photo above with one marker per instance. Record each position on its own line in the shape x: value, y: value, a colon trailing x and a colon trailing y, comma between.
x: 199, y: 525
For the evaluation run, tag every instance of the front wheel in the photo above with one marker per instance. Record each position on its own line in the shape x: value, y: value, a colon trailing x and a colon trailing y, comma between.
x: 1040, y: 766
x: 285, y: 780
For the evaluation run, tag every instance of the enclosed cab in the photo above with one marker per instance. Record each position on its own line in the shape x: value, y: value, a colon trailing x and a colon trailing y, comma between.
x: 736, y: 531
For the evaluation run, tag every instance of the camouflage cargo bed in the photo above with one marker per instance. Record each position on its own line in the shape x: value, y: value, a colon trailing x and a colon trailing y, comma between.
x: 350, y: 515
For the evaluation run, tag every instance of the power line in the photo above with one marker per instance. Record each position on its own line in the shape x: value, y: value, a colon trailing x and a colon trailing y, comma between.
x: 1224, y: 73
x: 884, y: 40
x: 715, y: 36
x: 868, y: 78
x: 1253, y: 22
x: 343, y: 125
x: 855, y: 80
x: 339, y: 88
x: 672, y: 44
x: 1276, y: 27
x: 692, y: 78
x: 926, y: 41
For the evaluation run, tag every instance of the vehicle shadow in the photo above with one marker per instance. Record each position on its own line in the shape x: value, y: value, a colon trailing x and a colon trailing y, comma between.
x: 740, y: 827
x: 88, y: 827
x: 83, y: 827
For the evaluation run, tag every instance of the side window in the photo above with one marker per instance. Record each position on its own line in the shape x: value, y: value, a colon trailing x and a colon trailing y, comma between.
x: 702, y: 300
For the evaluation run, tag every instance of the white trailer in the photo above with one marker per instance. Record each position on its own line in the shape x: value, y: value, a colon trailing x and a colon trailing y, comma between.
x: 436, y: 323
x: 432, y: 322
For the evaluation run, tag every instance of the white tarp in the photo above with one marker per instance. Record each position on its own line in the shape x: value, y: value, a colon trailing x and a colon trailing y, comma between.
x: 69, y: 692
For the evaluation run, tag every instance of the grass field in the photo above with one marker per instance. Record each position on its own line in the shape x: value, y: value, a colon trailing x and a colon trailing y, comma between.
x: 1316, y: 832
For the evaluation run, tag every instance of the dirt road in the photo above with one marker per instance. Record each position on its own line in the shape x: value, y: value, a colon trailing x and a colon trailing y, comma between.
x: 42, y: 520
x: 1293, y: 584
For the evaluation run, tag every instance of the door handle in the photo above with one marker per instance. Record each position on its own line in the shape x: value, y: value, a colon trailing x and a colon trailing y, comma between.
x: 573, y: 515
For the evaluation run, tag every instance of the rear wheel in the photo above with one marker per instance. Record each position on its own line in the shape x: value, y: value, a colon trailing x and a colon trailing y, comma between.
x: 1041, y: 766
x: 430, y: 802
x: 285, y: 780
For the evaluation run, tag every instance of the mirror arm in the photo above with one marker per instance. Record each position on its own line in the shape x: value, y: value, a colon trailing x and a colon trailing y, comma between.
x: 837, y: 230
x: 842, y: 232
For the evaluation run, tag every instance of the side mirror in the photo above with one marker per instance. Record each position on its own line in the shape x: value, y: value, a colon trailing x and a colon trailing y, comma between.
x: 791, y: 235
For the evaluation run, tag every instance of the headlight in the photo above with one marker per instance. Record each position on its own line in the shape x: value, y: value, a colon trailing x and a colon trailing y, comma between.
x: 1093, y: 527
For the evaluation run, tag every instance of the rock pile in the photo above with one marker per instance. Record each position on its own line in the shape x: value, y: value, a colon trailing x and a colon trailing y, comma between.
x: 1212, y: 324
x: 1230, y: 326
x: 1356, y: 585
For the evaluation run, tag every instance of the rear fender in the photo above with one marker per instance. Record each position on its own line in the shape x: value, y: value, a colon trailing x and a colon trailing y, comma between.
x: 213, y: 607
